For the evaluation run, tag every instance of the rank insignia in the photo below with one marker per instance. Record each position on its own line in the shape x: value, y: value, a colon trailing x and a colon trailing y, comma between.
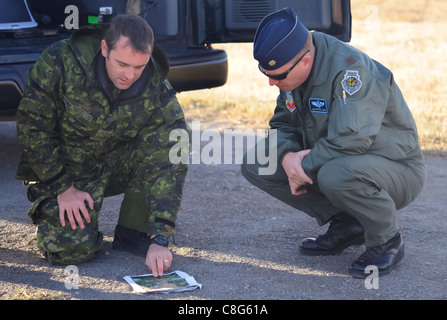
x: 351, y: 82
x: 272, y: 63
x: 289, y: 101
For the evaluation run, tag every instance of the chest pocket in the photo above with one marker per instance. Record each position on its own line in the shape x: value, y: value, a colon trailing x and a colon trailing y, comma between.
x: 77, y: 111
x: 77, y: 122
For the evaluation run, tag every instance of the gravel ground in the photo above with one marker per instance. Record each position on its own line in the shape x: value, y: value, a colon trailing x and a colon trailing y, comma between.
x: 237, y: 241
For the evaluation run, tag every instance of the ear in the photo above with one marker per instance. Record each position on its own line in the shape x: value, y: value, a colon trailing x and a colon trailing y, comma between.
x: 104, y: 49
x: 309, y: 58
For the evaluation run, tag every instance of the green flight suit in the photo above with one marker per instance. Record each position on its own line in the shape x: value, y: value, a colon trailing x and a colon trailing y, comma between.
x: 77, y: 129
x: 365, y: 159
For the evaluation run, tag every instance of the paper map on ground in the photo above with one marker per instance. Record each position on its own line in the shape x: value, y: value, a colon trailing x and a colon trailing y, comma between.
x: 176, y: 281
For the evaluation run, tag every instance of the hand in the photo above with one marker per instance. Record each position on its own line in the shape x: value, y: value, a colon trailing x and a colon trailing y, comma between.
x: 292, y: 164
x: 72, y: 201
x: 158, y: 259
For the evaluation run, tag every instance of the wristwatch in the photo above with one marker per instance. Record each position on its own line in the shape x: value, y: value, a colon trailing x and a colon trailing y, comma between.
x: 160, y: 240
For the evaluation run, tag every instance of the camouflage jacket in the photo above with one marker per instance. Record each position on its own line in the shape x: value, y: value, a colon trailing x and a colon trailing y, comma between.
x: 69, y: 123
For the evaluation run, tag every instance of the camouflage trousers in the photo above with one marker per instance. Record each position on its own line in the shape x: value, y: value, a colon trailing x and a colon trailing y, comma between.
x: 62, y: 245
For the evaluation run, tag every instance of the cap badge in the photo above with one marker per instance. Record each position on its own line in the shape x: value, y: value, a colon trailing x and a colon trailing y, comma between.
x: 272, y: 63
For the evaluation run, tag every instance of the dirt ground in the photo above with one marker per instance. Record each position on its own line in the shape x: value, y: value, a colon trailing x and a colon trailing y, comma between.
x: 237, y: 241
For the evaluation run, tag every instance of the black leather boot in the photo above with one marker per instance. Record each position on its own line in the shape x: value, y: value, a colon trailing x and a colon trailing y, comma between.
x: 385, y: 257
x: 343, y: 231
x: 131, y: 241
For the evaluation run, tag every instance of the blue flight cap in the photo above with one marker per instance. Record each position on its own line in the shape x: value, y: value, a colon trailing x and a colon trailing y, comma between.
x: 279, y: 38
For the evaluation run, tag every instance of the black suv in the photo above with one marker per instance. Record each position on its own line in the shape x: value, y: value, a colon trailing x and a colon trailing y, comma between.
x: 184, y: 28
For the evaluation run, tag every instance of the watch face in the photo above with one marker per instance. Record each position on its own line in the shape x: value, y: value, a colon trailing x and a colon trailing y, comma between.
x: 161, y: 240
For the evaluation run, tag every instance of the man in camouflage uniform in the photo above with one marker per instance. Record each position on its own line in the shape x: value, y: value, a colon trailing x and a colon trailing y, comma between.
x: 347, y: 144
x: 94, y: 121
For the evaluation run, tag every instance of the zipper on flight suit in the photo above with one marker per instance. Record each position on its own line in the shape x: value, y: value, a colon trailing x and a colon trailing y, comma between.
x: 300, y: 115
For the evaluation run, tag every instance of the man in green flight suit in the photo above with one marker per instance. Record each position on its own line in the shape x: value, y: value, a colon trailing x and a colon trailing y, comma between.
x: 94, y: 121
x: 347, y: 144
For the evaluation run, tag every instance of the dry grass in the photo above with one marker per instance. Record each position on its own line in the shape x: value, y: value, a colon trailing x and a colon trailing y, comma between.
x: 246, y: 99
x: 409, y: 37
x: 28, y: 293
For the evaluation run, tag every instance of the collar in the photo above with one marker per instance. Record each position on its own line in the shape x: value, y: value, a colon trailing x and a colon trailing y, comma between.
x: 320, y: 69
x: 320, y: 66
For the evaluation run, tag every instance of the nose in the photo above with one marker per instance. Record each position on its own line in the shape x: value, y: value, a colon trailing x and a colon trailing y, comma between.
x: 273, y: 82
x: 129, y: 74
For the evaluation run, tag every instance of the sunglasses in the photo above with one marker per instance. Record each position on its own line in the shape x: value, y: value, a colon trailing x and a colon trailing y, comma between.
x: 283, y: 75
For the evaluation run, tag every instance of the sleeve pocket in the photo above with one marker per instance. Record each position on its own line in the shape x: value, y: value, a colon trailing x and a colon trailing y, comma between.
x: 343, y: 119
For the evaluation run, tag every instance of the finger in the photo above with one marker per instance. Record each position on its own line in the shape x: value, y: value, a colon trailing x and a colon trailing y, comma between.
x: 90, y: 201
x: 297, y: 188
x: 71, y: 219
x: 160, y: 266
x: 293, y: 187
x: 152, y: 264
x: 62, y: 216
x: 167, y: 264
x: 293, y: 191
x: 305, y: 152
x: 78, y: 217
x: 299, y: 176
x: 84, y: 212
x: 304, y: 177
x: 301, y: 191
x: 307, y: 179
x: 167, y: 261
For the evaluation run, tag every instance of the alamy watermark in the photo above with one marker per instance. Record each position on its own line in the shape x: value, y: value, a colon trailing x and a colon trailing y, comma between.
x: 372, y: 281
x: 72, y: 279
x: 225, y: 147
x: 72, y: 20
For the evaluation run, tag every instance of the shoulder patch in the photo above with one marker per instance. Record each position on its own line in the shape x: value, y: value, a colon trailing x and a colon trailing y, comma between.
x: 351, y: 82
x: 290, y: 104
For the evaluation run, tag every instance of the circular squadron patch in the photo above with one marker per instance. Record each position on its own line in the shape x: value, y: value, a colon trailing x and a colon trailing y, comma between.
x: 351, y: 82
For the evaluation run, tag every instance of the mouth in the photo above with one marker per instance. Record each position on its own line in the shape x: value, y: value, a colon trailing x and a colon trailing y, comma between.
x: 123, y: 84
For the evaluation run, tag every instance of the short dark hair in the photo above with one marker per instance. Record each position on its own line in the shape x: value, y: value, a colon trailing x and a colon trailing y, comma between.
x: 134, y: 27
